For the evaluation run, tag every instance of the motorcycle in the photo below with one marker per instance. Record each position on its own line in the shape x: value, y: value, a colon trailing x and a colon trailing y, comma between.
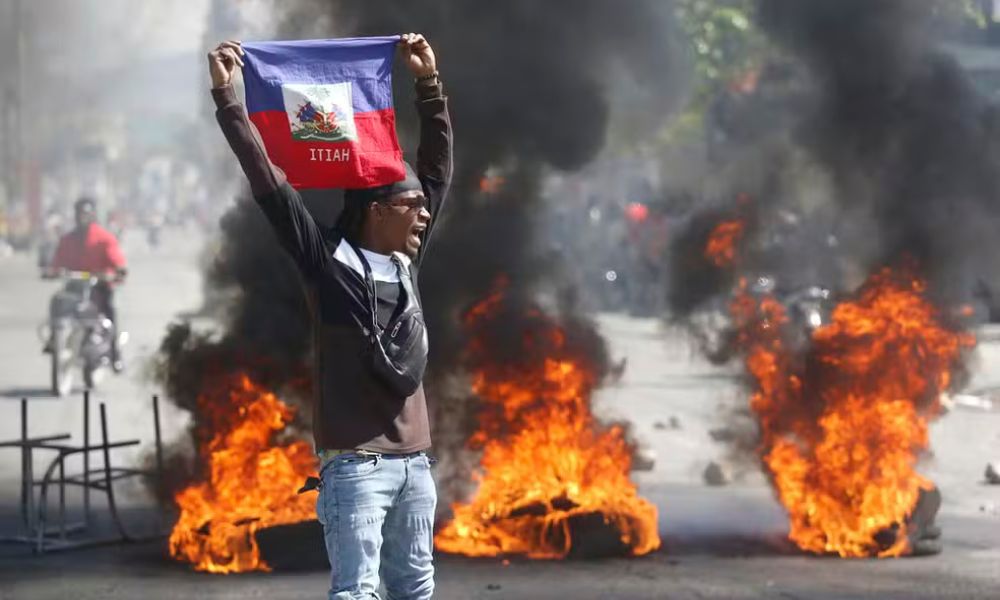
x: 77, y: 334
x: 808, y: 308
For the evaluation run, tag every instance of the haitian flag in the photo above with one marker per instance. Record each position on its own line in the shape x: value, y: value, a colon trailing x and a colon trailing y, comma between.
x: 324, y: 110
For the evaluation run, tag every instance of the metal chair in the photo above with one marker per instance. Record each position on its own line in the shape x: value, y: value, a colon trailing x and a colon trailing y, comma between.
x: 27, y: 446
x: 39, y: 533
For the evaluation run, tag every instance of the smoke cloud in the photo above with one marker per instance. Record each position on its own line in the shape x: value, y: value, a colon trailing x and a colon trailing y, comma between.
x: 885, y: 155
x: 523, y: 104
x: 889, y: 155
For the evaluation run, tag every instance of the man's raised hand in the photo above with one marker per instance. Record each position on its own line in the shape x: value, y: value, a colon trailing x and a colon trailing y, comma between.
x: 418, y: 54
x: 222, y: 61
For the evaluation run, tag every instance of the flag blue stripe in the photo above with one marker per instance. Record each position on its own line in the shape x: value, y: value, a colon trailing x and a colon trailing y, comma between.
x: 365, y: 62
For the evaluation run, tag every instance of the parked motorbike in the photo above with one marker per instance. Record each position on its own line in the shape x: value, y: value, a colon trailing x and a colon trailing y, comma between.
x: 808, y: 308
x: 77, y: 334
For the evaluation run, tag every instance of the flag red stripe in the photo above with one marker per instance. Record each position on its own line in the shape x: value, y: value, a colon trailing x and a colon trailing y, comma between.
x: 374, y: 159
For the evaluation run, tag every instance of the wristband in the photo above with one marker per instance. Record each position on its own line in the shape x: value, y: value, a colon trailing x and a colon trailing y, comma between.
x: 433, y: 75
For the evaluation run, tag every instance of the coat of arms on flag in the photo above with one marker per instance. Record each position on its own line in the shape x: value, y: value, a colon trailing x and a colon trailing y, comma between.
x: 320, y: 112
x: 324, y: 110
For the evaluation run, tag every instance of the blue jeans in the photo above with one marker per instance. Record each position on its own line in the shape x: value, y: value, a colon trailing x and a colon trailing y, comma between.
x: 378, y: 518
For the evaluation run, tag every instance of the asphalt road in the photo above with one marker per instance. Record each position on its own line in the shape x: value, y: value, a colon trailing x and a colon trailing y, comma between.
x: 724, y: 542
x: 163, y: 283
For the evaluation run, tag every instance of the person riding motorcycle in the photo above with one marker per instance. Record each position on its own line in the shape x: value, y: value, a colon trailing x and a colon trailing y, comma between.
x: 92, y: 248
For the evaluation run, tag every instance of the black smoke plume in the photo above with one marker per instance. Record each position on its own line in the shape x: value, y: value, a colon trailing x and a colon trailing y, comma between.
x: 902, y: 130
x: 252, y: 290
x: 887, y: 156
x: 531, y: 88
x: 905, y: 147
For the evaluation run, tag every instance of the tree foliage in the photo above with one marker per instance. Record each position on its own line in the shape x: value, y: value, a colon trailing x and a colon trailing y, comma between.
x: 961, y: 16
x: 724, y: 40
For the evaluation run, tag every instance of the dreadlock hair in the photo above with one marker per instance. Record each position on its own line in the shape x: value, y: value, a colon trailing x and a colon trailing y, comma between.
x: 357, y: 201
x: 352, y: 219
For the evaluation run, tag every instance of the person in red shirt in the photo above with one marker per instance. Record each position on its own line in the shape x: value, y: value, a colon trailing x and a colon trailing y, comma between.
x: 92, y: 248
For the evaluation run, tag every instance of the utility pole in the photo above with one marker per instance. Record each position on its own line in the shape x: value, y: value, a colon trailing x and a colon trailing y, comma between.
x: 12, y: 115
x: 8, y: 77
x: 26, y: 187
x: 21, y: 154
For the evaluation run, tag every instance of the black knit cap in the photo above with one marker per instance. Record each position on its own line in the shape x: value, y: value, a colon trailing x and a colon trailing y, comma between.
x: 365, y: 196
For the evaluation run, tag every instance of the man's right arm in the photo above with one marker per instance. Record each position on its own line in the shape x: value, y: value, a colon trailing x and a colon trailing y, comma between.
x: 265, y: 178
x: 282, y: 205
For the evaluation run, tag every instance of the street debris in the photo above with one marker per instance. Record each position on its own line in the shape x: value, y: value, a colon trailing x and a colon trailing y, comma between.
x: 992, y: 473
x: 716, y: 475
x: 644, y: 459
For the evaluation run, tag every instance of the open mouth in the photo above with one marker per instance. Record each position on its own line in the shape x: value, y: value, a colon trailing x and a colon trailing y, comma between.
x: 415, y: 234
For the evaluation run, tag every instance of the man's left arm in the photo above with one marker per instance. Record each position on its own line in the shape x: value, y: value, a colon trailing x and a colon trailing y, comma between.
x: 434, y: 155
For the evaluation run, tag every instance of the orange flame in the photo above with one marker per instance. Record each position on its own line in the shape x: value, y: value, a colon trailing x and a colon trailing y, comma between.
x: 545, y: 460
x: 491, y: 184
x: 843, y: 426
x: 722, y: 243
x: 252, y: 480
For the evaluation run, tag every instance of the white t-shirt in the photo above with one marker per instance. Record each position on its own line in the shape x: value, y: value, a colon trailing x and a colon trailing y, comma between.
x: 382, y: 268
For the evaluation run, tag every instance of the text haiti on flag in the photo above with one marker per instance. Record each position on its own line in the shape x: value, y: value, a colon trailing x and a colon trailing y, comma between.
x: 324, y: 110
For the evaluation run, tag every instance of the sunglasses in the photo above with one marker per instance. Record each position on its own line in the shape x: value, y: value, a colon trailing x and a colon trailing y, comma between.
x: 414, y: 203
